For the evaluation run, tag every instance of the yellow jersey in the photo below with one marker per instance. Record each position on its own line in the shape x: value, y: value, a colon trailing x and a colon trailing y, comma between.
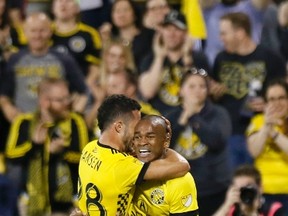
x: 173, y: 196
x: 272, y: 162
x: 107, y: 179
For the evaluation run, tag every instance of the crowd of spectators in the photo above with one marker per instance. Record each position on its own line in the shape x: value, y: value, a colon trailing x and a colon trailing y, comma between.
x: 221, y: 86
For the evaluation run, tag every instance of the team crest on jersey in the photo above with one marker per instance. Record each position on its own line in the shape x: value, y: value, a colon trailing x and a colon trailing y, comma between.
x: 157, y: 196
x: 186, y: 200
x: 77, y: 44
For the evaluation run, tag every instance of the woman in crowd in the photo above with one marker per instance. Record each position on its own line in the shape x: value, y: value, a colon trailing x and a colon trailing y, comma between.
x: 115, y: 57
x: 267, y: 138
x: 200, y: 132
x: 126, y: 27
x: 155, y: 12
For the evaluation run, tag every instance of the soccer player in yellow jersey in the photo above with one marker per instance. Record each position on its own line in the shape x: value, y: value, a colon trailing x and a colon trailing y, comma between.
x: 107, y: 175
x: 176, y: 196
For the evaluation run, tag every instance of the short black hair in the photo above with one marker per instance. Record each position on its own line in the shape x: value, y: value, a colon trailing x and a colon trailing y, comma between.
x: 113, y: 107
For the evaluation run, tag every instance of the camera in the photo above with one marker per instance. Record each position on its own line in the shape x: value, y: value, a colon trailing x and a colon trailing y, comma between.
x: 248, y: 194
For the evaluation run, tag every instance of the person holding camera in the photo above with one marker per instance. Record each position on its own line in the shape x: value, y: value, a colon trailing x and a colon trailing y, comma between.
x: 244, y: 197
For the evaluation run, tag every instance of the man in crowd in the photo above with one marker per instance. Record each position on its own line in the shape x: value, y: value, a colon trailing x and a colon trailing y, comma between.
x: 241, y: 72
x: 161, y: 72
x: 30, y: 65
x: 43, y: 151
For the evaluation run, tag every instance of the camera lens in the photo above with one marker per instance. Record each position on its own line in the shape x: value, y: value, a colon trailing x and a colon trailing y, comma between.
x: 248, y: 194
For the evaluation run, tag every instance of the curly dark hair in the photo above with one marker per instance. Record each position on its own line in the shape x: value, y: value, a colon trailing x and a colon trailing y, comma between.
x: 113, y: 107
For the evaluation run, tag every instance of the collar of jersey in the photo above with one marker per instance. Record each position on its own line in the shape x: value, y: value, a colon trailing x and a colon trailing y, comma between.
x: 105, y: 146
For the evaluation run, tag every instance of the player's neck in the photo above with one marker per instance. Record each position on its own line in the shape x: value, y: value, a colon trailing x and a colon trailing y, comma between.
x: 111, y: 140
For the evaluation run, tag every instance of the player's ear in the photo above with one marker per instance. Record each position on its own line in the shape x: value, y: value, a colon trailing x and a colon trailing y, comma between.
x: 167, y: 140
x: 118, y: 126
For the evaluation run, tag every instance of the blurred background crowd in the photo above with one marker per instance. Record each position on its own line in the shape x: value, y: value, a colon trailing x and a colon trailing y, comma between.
x: 217, y: 69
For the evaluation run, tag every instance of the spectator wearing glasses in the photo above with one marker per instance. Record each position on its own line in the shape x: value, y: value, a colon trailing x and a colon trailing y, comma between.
x: 267, y: 138
x: 200, y: 132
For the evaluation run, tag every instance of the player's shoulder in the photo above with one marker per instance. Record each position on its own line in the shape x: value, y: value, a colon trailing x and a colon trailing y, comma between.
x: 106, y: 151
x: 187, y: 179
x: 90, y: 145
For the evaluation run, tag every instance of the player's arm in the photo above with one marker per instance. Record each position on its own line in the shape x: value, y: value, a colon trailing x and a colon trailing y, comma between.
x: 172, y: 166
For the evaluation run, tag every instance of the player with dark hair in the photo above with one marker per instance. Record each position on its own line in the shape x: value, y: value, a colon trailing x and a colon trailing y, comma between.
x: 108, y: 175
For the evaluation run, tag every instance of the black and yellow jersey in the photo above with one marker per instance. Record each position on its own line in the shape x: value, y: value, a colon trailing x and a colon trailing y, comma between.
x: 107, y: 179
x: 73, y: 129
x: 169, y: 197
x: 18, y: 37
x: 50, y: 180
x: 83, y: 43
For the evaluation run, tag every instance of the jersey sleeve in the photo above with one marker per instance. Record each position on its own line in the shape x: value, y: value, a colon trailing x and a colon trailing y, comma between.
x: 93, y: 55
x: 130, y: 171
x: 183, y: 196
x: 255, y: 124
